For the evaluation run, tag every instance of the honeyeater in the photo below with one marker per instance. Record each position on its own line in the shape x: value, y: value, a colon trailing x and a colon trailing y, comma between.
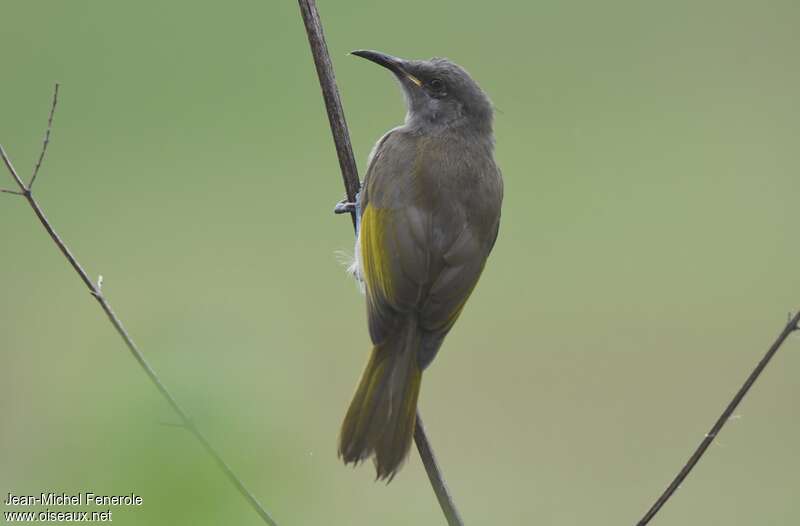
x: 429, y: 213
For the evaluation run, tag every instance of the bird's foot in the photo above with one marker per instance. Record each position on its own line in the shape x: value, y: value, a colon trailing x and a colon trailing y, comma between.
x: 344, y: 207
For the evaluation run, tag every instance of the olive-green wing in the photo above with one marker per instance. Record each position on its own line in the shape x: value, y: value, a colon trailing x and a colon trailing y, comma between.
x: 424, y: 236
x: 392, y: 235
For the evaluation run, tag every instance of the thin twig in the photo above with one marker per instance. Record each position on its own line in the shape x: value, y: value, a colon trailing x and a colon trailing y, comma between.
x: 435, y: 475
x: 347, y: 163
x: 46, y: 137
x: 23, y: 190
x: 333, y: 103
x: 791, y: 326
x: 95, y: 291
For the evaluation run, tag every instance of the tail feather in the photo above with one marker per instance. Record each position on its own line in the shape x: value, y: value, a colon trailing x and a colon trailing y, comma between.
x: 382, y: 415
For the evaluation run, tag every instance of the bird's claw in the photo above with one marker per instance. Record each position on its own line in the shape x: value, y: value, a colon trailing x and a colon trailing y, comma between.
x: 344, y: 207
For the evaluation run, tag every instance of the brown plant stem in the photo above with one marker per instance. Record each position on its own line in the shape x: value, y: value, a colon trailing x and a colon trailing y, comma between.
x: 95, y: 289
x: 791, y: 326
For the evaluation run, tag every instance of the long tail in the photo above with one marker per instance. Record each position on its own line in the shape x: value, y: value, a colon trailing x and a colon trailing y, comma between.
x: 383, y: 412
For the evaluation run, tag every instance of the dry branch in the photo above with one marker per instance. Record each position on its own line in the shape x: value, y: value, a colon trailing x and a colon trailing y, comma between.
x: 790, y: 327
x: 96, y: 291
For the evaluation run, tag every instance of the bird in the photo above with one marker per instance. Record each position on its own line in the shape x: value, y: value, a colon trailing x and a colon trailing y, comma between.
x: 428, y: 215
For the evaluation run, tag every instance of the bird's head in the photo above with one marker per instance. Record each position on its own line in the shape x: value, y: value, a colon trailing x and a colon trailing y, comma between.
x: 439, y: 93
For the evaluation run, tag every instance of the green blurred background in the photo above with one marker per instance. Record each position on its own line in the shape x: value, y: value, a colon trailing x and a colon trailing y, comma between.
x: 648, y: 255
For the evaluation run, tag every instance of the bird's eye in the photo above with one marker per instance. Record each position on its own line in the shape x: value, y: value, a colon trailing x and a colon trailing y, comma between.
x: 436, y: 85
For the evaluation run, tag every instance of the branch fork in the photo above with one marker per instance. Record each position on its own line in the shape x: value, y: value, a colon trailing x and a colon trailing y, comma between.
x: 95, y: 289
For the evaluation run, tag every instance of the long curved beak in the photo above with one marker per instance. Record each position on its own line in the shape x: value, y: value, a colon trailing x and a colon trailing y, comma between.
x: 393, y: 64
